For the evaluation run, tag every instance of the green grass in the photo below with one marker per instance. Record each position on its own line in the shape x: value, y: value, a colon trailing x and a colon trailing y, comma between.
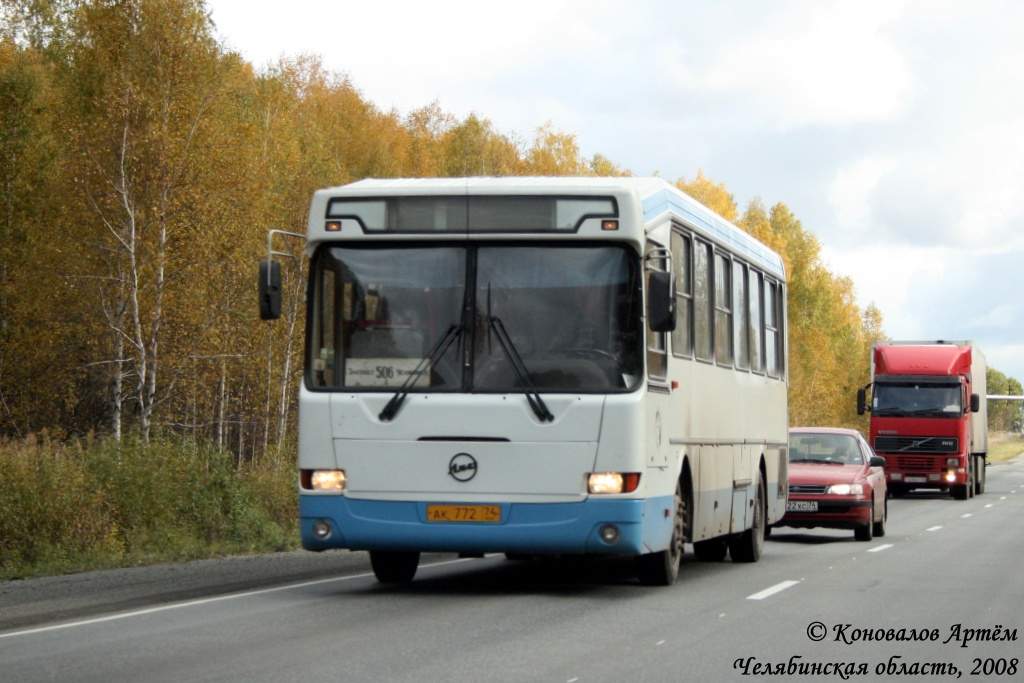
x: 95, y: 505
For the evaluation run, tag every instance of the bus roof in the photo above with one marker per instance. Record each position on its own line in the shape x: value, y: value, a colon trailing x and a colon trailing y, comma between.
x: 659, y: 199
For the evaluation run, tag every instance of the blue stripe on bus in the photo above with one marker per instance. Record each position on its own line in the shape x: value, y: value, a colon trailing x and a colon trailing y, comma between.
x: 525, y: 527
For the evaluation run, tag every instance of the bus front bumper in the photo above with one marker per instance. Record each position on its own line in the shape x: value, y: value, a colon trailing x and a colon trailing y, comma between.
x: 569, y: 528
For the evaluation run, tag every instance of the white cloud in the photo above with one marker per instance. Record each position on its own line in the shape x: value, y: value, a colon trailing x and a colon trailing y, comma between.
x: 818, y: 63
x: 852, y: 189
x: 885, y: 276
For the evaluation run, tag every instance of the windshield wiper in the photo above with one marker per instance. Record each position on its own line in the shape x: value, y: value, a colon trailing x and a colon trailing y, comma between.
x: 540, y: 409
x: 391, y: 409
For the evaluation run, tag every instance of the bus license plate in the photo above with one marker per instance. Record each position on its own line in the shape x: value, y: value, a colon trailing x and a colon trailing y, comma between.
x: 464, y: 513
x: 802, y: 506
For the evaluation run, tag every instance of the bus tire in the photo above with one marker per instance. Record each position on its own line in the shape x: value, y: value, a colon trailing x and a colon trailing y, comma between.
x: 394, y: 566
x: 747, y: 546
x: 661, y: 568
x: 711, y: 550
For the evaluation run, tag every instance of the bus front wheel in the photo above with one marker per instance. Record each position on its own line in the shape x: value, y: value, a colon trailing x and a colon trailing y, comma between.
x: 662, y: 568
x: 394, y: 567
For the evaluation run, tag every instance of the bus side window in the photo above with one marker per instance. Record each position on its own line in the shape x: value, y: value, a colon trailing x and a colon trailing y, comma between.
x: 657, y: 353
x: 682, y: 336
x: 702, y: 304
x: 740, y: 306
x: 771, y: 329
x: 756, y: 318
x: 723, y: 310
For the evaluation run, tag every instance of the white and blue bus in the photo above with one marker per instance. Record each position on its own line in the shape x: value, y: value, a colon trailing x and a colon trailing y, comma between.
x: 537, y: 366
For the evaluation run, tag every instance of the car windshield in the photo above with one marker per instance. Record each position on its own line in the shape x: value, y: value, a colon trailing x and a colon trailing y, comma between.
x: 841, y: 449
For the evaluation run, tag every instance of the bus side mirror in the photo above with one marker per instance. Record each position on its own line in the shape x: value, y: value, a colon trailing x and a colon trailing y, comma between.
x: 661, y: 302
x: 975, y: 403
x: 862, y: 403
x: 270, y: 290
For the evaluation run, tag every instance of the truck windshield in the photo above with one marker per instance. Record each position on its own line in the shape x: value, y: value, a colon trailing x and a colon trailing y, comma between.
x: 572, y: 313
x: 916, y: 399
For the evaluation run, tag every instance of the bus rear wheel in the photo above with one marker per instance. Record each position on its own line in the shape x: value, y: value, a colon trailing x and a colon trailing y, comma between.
x: 747, y: 546
x: 711, y: 550
x: 394, y: 566
x: 662, y: 568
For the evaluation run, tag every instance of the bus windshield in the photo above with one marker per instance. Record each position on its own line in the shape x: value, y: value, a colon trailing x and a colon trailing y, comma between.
x: 916, y: 399
x: 382, y: 315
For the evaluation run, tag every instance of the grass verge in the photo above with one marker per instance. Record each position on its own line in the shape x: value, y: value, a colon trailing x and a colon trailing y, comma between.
x: 1004, y: 446
x: 82, y: 506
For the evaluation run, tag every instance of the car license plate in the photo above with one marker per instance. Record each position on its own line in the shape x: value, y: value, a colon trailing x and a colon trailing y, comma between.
x: 914, y: 480
x: 802, y: 506
x: 464, y: 513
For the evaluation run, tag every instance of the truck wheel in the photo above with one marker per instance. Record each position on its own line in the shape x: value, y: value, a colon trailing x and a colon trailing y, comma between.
x: 394, y: 567
x: 662, y: 568
x: 747, y: 546
x: 979, y: 477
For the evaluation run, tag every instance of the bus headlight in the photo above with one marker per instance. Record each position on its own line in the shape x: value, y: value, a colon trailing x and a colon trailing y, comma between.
x: 612, y: 482
x: 324, y: 480
x: 846, y: 489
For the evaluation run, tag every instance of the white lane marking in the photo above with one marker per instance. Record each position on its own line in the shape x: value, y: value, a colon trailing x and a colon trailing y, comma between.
x: 768, y: 592
x: 880, y: 548
x: 197, y: 603
x: 934, y: 528
x: 969, y: 514
x: 989, y: 505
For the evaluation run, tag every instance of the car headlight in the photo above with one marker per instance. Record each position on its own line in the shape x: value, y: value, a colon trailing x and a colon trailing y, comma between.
x: 846, y: 489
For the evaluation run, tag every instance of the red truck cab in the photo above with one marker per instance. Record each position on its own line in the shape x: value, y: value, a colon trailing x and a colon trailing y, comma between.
x: 928, y: 415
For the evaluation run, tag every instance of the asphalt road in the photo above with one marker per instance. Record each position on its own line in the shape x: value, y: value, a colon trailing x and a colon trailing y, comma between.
x: 819, y: 606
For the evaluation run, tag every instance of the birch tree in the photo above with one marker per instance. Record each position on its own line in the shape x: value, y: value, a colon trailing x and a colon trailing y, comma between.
x: 147, y: 76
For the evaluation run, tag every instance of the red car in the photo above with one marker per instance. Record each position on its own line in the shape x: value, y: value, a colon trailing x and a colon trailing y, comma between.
x: 835, y: 481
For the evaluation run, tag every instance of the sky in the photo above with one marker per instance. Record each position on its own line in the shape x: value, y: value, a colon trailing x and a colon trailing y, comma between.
x: 892, y: 129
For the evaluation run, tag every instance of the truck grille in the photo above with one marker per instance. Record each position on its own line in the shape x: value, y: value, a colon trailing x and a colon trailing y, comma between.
x: 916, y: 444
x: 913, y: 463
x: 808, y: 488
